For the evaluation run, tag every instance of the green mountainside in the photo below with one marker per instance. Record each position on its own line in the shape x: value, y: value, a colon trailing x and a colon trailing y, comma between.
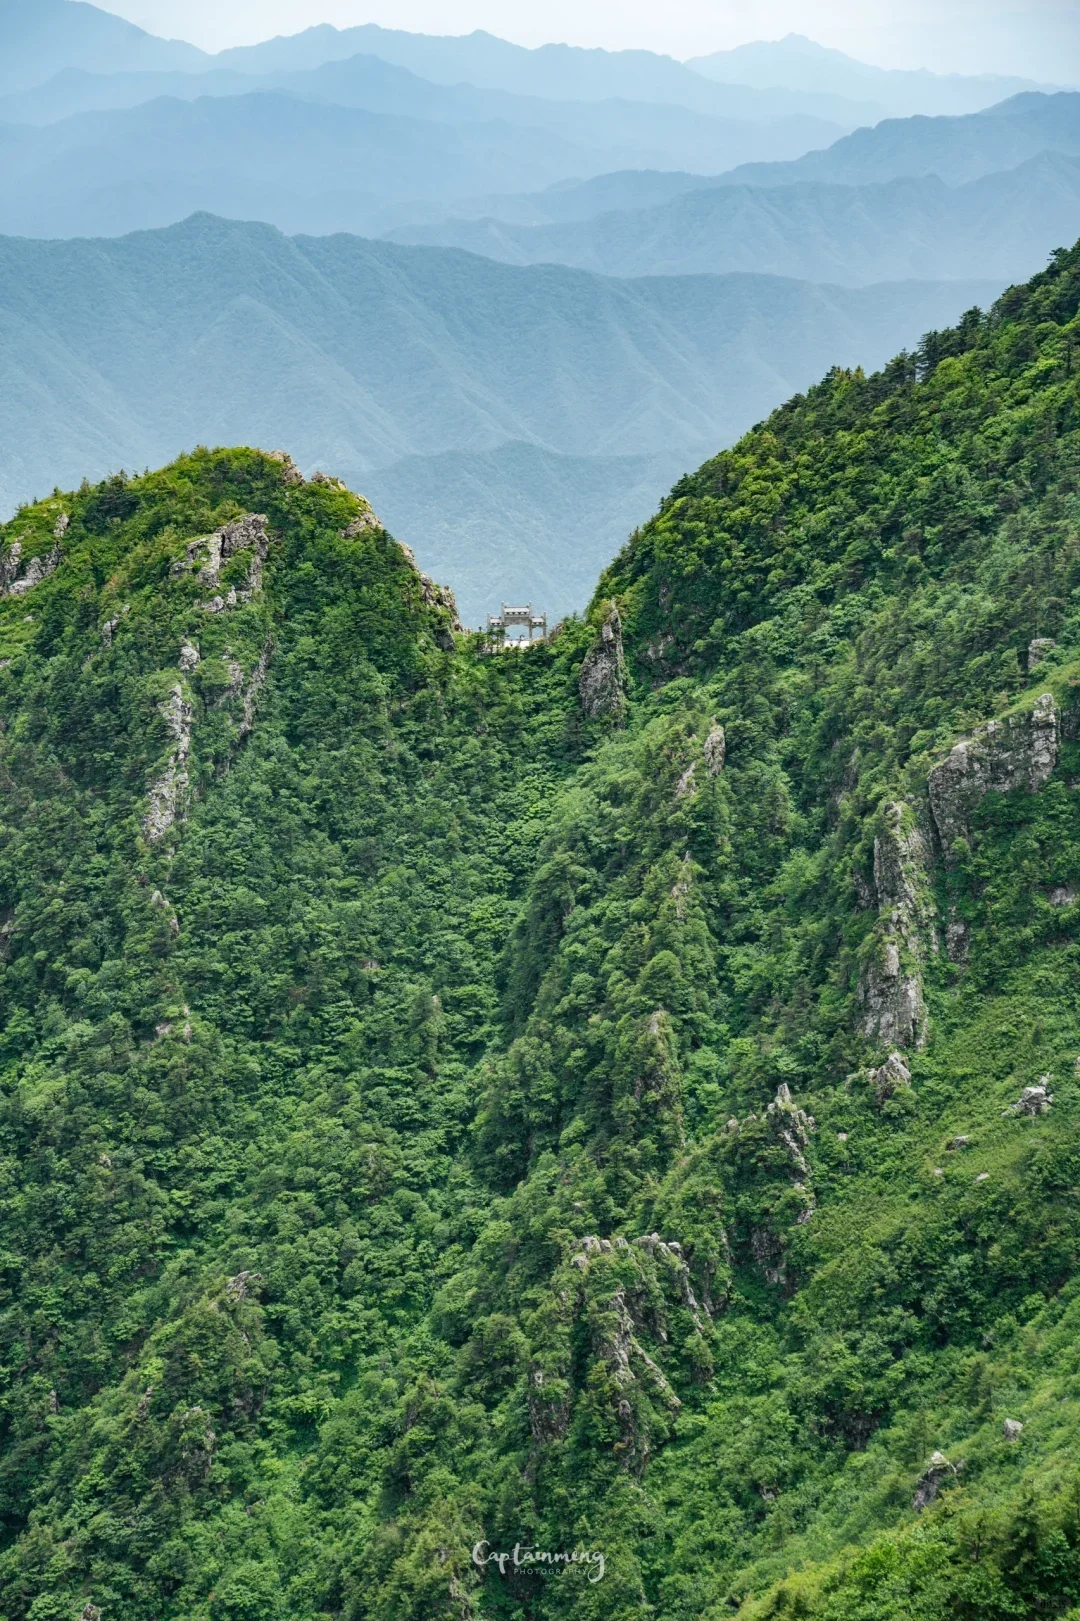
x: 616, y: 1100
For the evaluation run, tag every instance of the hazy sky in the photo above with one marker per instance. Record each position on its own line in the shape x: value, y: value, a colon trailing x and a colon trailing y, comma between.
x: 1042, y: 39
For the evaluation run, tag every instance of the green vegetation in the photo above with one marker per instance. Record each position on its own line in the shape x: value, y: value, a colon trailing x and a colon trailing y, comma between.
x: 452, y: 1099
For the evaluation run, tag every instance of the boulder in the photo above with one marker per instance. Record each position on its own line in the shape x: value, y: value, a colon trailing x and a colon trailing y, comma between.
x: 1034, y: 1100
x: 1012, y: 1429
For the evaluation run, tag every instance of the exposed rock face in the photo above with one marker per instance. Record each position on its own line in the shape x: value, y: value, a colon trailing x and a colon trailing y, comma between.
x: 209, y: 553
x: 937, y: 1470
x: 890, y: 1078
x: 684, y: 788
x: 290, y: 473
x: 329, y: 480
x: 793, y: 1126
x: 1012, y: 1429
x: 1020, y: 752
x: 168, y: 793
x: 890, y: 986
x: 63, y: 524
x: 1063, y: 895
x: 1034, y: 1100
x: 189, y: 657
x: 602, y: 682
x: 609, y: 1294
x: 957, y: 939
x: 16, y: 581
x: 715, y: 750
x: 255, y: 686
x: 237, y: 1288
x: 365, y: 521
x: 1038, y: 651
x: 441, y: 596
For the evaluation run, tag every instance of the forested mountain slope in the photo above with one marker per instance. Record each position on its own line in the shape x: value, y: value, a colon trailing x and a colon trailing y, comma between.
x: 620, y: 1098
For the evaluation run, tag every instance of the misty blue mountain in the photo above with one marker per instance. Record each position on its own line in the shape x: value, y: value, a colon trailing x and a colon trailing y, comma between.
x: 798, y: 63
x: 555, y: 404
x: 358, y: 354
x: 1001, y: 223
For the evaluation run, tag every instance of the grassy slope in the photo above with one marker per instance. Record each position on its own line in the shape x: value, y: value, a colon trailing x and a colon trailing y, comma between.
x: 583, y: 974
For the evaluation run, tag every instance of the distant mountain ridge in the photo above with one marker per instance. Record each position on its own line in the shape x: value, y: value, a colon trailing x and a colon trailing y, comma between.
x: 795, y: 62
x: 359, y: 354
x: 1006, y: 225
x: 610, y: 134
x: 955, y: 149
x: 39, y: 38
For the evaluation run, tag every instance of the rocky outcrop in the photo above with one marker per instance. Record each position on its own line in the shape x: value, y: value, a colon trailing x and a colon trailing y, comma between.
x: 290, y: 473
x: 61, y: 527
x: 793, y: 1128
x: 330, y: 482
x: 1039, y: 651
x: 602, y: 681
x: 363, y: 523
x: 713, y: 755
x: 442, y: 599
x: 715, y: 750
x: 1034, y: 1100
x: 937, y: 1471
x: 168, y: 793
x: 16, y: 580
x: 607, y: 1298
x: 254, y: 687
x: 891, y: 1077
x: 893, y: 1008
x: 684, y: 788
x: 189, y: 657
x: 207, y: 556
x: 1019, y: 752
x: 1012, y: 1429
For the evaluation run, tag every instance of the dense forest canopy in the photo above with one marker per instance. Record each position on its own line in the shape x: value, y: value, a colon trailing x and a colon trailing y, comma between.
x: 619, y: 1099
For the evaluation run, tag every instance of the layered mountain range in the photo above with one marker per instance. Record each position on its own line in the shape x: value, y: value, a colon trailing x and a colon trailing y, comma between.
x: 359, y: 354
x: 759, y: 202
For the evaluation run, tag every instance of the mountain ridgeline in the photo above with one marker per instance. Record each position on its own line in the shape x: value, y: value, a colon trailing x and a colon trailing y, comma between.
x: 461, y: 1110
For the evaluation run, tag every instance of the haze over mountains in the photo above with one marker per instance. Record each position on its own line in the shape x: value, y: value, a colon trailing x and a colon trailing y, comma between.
x: 556, y: 406
x: 357, y: 354
x: 798, y: 63
x: 910, y: 225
